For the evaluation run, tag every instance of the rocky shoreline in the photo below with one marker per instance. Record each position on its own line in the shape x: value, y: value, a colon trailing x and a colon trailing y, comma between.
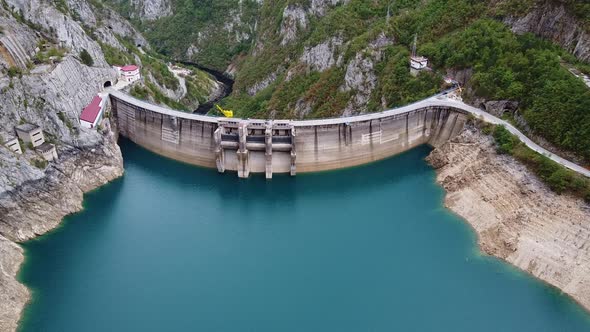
x: 38, y: 206
x: 517, y: 218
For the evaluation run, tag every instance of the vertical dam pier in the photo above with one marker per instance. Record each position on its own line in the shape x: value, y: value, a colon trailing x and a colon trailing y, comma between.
x: 297, y: 146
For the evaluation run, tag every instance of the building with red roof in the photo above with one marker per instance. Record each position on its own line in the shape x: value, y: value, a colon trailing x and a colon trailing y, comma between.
x: 129, y: 73
x: 92, y: 114
x: 129, y: 68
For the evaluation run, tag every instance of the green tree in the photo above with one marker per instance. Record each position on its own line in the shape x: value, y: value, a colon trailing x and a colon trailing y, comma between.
x: 86, y: 58
x: 504, y: 139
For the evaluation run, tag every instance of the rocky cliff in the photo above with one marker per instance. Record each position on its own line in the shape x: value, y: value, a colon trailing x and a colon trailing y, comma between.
x: 516, y: 217
x: 151, y: 9
x: 37, y: 202
x: 13, y: 295
x: 555, y: 21
x: 44, y: 82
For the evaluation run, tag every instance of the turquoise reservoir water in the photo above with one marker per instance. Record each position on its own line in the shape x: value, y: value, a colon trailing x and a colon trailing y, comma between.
x: 170, y: 247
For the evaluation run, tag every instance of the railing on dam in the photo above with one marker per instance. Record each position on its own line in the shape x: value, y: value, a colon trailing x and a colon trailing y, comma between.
x: 255, y: 139
x: 282, y: 139
x: 231, y: 138
x: 311, y: 136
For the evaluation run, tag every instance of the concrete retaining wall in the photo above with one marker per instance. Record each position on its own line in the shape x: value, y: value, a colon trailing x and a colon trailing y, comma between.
x: 261, y: 146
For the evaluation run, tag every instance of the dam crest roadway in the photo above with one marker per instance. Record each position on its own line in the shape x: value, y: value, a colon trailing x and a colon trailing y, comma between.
x: 291, y: 146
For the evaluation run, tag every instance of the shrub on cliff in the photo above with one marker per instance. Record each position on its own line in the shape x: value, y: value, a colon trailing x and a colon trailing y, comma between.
x: 558, y: 178
x: 504, y: 139
x: 86, y: 58
x: 15, y: 72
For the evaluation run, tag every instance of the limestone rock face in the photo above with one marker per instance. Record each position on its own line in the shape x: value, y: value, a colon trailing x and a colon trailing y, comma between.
x: 302, y: 108
x: 67, y: 32
x: 53, y: 97
x: 18, y: 43
x: 324, y: 55
x: 294, y: 19
x: 43, y: 197
x: 50, y: 93
x: 320, y: 7
x: 70, y: 33
x: 360, y: 75
x: 34, y: 201
x: 13, y: 295
x: 151, y: 9
x: 517, y: 217
x: 239, y: 26
x: 552, y: 21
x: 259, y: 86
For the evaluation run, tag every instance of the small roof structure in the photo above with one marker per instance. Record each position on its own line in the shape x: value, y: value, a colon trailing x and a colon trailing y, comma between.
x: 90, y: 112
x: 45, y: 147
x: 129, y: 68
x: 419, y: 58
x: 9, y: 138
x: 449, y: 80
x: 26, y: 127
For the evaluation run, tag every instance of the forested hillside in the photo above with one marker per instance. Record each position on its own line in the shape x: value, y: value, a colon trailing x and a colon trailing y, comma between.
x: 210, y: 32
x: 322, y: 58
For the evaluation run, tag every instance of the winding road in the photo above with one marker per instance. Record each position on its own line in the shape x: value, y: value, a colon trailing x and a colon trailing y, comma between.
x: 441, y: 100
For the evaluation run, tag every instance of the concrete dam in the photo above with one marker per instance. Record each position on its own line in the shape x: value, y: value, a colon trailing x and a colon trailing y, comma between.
x: 282, y: 146
x: 290, y: 146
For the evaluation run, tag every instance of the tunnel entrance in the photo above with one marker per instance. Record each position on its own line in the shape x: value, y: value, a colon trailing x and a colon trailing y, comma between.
x: 107, y: 84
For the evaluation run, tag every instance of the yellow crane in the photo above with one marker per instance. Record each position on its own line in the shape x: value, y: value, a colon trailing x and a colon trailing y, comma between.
x: 226, y: 113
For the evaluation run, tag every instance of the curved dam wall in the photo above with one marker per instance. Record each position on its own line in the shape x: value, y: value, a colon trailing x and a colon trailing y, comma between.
x: 283, y: 146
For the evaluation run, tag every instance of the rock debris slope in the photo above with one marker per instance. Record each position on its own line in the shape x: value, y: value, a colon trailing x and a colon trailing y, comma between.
x: 517, y: 218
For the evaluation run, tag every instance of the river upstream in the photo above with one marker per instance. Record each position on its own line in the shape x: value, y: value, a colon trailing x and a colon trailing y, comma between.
x: 171, y: 247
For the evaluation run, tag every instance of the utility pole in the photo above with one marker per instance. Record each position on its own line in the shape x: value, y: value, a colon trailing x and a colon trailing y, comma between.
x: 389, y: 12
x: 414, y: 45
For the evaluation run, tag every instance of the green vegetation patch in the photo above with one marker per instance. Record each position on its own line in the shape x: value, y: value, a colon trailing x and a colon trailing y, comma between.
x: 172, y: 35
x: 49, y: 53
x: 86, y: 58
x: 557, y: 177
x: 39, y: 163
x: 197, y: 88
x: 14, y: 72
x: 116, y: 57
x: 525, y: 69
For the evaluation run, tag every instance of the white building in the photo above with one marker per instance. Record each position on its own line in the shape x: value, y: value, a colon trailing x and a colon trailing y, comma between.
x: 418, y: 62
x: 92, y: 114
x: 48, y: 151
x: 13, y: 145
x: 129, y: 73
x: 30, y: 133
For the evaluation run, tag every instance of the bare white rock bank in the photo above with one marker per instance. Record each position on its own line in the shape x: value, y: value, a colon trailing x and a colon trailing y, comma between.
x: 517, y: 218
